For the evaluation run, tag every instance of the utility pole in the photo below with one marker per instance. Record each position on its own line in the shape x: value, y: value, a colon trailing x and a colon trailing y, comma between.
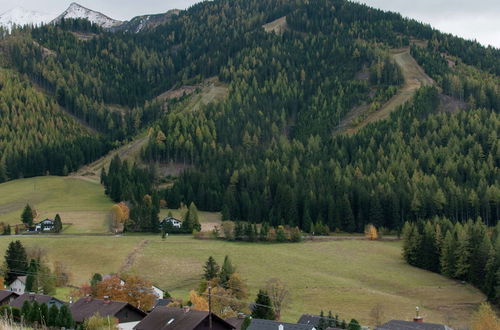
x: 209, y: 307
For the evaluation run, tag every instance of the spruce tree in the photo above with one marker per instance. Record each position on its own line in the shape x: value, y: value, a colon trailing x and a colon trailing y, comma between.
x: 211, y: 269
x: 448, y: 258
x: 26, y: 310
x: 462, y: 252
x: 354, y: 325
x: 263, y: 307
x: 226, y: 271
x: 27, y: 216
x: 44, y: 314
x: 322, y: 323
x: 31, y: 277
x: 53, y: 316
x: 57, y: 224
x: 16, y: 261
x: 65, y: 319
x: 34, y: 315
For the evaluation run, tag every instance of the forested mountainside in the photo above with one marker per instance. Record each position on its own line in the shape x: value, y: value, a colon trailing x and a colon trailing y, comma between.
x: 268, y: 152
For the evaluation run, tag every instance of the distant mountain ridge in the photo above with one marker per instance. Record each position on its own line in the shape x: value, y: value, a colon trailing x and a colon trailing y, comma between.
x: 78, y: 11
x: 19, y: 16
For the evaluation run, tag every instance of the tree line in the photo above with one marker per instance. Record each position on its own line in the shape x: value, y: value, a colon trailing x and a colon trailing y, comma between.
x: 468, y: 251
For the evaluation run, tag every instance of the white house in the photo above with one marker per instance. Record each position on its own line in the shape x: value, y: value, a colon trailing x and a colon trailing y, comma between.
x: 157, y: 292
x: 176, y: 223
x: 18, y: 286
x: 45, y: 225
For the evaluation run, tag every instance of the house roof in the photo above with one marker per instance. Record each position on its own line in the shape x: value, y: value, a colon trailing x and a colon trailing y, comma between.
x: 40, y: 298
x: 171, y: 219
x: 258, y: 324
x: 85, y: 308
x: 163, y: 302
x: 22, y: 279
x: 237, y: 322
x: 310, y: 319
x: 4, y: 294
x: 406, y: 325
x: 172, y: 318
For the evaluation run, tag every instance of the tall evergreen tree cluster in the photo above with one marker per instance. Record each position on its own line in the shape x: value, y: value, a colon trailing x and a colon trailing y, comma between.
x: 467, y: 251
x: 40, y: 314
x: 125, y: 182
x: 36, y: 137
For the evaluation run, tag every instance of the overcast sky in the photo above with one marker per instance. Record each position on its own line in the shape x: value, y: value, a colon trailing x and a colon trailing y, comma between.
x: 478, y: 19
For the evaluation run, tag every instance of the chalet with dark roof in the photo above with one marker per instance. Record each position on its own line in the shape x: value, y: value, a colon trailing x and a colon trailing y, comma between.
x: 407, y: 325
x: 257, y: 324
x: 85, y: 308
x: 6, y: 297
x: 39, y: 298
x: 170, y: 318
x: 171, y: 221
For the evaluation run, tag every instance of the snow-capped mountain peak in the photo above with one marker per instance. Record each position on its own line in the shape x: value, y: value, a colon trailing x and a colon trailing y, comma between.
x: 20, y: 16
x: 77, y: 11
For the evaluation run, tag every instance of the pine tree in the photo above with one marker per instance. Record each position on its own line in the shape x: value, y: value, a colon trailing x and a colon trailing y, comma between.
x: 44, y: 314
x: 211, y: 269
x: 307, y: 222
x: 65, y: 319
x: 226, y: 271
x: 322, y: 323
x: 34, y: 315
x: 193, y: 215
x: 57, y: 224
x: 448, y: 259
x: 27, y: 216
x: 411, y: 244
x: 354, y: 325
x: 462, y: 252
x: 31, y: 277
x: 53, y: 316
x: 16, y: 261
x: 26, y: 310
x: 263, y: 307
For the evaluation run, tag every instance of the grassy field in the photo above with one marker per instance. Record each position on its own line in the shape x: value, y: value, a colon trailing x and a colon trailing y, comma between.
x: 347, y: 277
x: 78, y: 201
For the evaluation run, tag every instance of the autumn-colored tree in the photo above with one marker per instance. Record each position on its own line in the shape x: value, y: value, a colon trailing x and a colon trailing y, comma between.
x: 119, y: 214
x: 113, y: 288
x: 98, y: 322
x: 371, y: 232
x: 83, y: 291
x: 132, y: 289
x: 485, y: 319
x: 279, y: 293
x: 198, y: 302
x: 140, y: 292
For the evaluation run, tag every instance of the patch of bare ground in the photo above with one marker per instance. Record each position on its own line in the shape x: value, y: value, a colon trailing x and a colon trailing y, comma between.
x: 129, y: 260
x: 414, y: 76
x: 130, y: 151
x: 277, y: 26
x: 450, y: 104
x: 45, y: 51
x: 84, y: 36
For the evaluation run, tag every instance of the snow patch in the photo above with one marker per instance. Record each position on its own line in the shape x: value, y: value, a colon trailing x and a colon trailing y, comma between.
x: 19, y: 16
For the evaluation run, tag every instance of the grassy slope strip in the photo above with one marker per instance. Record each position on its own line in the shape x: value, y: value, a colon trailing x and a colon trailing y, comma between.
x: 79, y: 202
x: 36, y: 137
x: 347, y: 277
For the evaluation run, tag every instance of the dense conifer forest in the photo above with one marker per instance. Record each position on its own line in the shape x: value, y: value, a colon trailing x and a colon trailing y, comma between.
x: 269, y: 152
